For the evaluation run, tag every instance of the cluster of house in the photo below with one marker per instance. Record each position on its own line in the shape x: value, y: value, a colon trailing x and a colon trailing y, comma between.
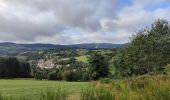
x: 45, y: 64
x: 48, y: 64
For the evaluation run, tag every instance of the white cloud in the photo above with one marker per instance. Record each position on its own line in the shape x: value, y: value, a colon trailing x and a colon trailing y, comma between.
x: 75, y: 21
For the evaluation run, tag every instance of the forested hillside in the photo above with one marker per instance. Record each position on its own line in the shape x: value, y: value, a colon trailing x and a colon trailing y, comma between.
x: 13, y: 49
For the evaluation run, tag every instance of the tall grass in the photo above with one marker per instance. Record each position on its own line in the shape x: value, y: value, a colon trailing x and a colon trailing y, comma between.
x: 4, y: 97
x: 94, y: 93
x: 143, y: 88
x: 156, y: 91
x: 48, y: 94
x: 58, y: 94
x: 137, y: 88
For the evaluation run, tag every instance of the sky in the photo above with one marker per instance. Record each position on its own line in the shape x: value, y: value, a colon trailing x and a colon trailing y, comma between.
x: 77, y: 21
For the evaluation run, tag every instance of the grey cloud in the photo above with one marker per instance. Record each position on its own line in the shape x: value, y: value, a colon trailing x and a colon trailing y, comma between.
x: 27, y: 17
x: 85, y: 14
x: 28, y: 29
x: 74, y: 21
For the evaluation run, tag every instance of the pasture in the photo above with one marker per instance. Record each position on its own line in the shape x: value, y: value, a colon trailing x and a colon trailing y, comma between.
x: 32, y: 88
x: 82, y: 58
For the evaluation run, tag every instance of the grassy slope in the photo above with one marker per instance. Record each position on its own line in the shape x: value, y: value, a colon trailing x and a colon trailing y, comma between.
x: 31, y: 88
x: 82, y: 58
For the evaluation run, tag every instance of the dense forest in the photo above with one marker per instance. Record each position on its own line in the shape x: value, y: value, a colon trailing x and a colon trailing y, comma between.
x: 10, y: 67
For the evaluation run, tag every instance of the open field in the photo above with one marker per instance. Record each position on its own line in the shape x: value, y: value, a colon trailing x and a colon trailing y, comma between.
x: 32, y: 88
x: 82, y: 58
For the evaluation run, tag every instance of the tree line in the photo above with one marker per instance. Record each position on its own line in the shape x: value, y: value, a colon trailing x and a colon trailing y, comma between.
x: 11, y: 67
x: 97, y: 67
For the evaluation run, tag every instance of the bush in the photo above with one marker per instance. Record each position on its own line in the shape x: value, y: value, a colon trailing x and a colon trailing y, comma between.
x: 52, y: 76
x: 70, y: 76
x: 59, y: 75
x: 85, y: 77
x: 39, y: 75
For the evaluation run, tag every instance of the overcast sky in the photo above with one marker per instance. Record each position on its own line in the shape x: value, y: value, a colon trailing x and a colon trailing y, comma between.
x: 77, y: 21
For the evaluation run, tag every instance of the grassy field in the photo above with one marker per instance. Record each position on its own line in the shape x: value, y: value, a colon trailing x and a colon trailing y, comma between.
x: 145, y: 87
x: 82, y: 58
x: 32, y: 88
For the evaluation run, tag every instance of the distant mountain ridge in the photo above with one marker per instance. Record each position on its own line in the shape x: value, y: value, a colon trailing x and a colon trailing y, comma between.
x: 97, y: 46
x: 8, y: 48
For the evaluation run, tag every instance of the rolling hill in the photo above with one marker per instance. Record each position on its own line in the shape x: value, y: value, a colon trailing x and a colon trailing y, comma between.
x: 8, y: 48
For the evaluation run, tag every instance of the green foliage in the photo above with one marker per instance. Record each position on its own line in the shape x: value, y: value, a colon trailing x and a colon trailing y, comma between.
x: 52, y: 76
x: 24, y: 69
x: 55, y: 74
x: 59, y: 75
x: 85, y: 76
x: 72, y: 60
x: 10, y: 67
x: 98, y: 66
x: 82, y: 58
x: 148, y: 51
x: 39, y: 75
x: 70, y: 76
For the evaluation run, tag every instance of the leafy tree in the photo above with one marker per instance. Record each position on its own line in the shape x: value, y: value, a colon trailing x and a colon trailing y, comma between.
x: 24, y: 69
x: 52, y: 76
x: 98, y: 66
x: 59, y: 75
x: 39, y: 75
x: 85, y: 76
x: 72, y: 61
x: 148, y: 51
x: 10, y: 67
x: 70, y: 76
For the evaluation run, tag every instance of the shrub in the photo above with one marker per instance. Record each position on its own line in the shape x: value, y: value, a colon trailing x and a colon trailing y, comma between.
x: 85, y: 77
x: 39, y: 75
x: 70, y: 76
x: 59, y: 75
x: 52, y: 76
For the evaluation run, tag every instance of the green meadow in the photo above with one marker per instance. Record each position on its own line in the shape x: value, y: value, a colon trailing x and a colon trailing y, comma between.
x: 33, y: 88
